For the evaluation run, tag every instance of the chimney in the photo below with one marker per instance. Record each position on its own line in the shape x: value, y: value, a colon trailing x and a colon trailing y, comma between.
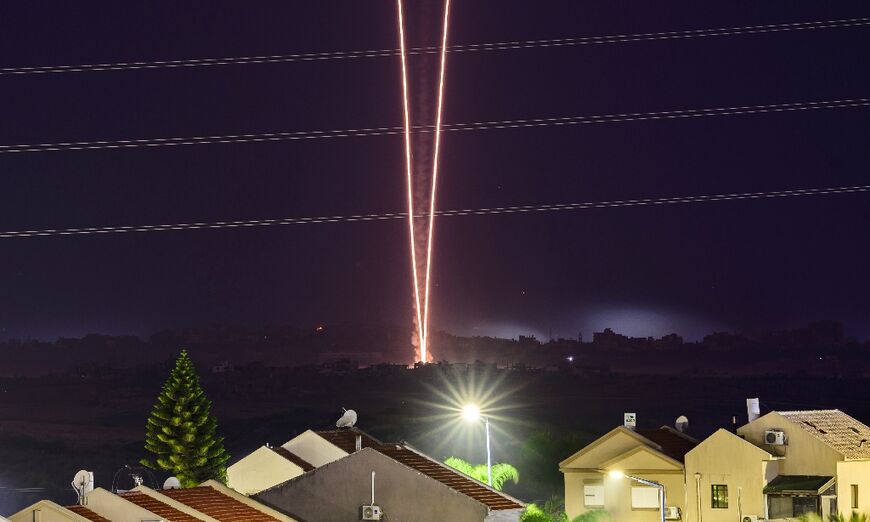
x: 753, y: 409
x: 357, y: 442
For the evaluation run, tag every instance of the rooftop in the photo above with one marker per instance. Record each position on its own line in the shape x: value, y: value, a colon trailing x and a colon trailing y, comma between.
x: 292, y: 457
x: 163, y: 510
x: 405, y: 454
x: 671, y: 442
x: 215, y: 504
x: 87, y: 513
x: 836, y: 429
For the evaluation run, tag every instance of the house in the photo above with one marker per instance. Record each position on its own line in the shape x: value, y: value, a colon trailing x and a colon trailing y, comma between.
x: 48, y: 511
x: 333, y: 479
x: 783, y: 464
x: 655, y: 455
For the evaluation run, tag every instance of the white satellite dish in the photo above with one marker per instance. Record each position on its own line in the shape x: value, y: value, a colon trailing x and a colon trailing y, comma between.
x: 172, y: 483
x: 682, y: 424
x: 83, y: 483
x: 347, y: 420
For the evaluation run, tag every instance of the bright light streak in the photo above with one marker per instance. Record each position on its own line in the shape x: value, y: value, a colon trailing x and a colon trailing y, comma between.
x: 471, y: 412
x: 406, y: 109
x: 422, y: 308
x: 435, y: 177
x: 616, y: 474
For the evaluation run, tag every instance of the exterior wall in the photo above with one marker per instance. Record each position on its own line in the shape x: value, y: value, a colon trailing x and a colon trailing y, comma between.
x: 617, y: 494
x: 248, y: 501
x: 610, y: 445
x: 260, y: 470
x: 804, y: 454
x: 336, y: 491
x: 46, y: 511
x: 111, y: 506
x: 853, y: 472
x: 314, y: 449
x: 724, y: 458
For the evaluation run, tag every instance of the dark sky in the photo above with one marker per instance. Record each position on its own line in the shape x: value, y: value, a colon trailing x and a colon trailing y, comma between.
x: 741, y: 265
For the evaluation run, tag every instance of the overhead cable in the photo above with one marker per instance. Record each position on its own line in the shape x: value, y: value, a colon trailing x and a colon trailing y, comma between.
x: 454, y: 127
x: 440, y: 213
x: 479, y: 47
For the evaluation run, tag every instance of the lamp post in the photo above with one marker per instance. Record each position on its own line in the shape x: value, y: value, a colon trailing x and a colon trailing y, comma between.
x: 471, y: 413
x: 619, y: 474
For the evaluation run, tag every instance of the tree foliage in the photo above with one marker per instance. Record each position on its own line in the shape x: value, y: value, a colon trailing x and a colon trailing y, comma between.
x: 181, y: 432
x: 501, y: 472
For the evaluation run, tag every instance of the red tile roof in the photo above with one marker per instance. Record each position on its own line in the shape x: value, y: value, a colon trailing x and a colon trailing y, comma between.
x: 403, y: 453
x: 292, y: 457
x: 161, y: 509
x: 87, y: 513
x: 215, y: 504
x: 673, y: 443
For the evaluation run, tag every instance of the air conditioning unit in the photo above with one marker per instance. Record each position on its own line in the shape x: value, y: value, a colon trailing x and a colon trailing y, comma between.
x: 750, y: 518
x: 371, y: 512
x: 672, y: 513
x: 774, y: 437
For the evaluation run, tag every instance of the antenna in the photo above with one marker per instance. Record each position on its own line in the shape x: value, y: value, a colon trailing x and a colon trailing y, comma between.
x: 682, y: 424
x: 83, y: 483
x: 347, y: 420
x: 172, y: 483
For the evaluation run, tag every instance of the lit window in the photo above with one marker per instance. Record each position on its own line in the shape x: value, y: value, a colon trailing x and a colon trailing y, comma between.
x: 854, y: 496
x: 593, y: 494
x: 720, y: 496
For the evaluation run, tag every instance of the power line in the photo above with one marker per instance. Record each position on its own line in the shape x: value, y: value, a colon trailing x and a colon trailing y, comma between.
x: 440, y: 213
x: 454, y: 127
x: 480, y: 47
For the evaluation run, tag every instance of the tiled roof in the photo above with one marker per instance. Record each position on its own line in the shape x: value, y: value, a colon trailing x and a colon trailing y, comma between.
x: 161, y: 509
x: 215, y: 504
x: 292, y: 457
x: 836, y: 429
x: 87, y: 513
x: 672, y: 443
x: 799, y: 485
x: 403, y: 453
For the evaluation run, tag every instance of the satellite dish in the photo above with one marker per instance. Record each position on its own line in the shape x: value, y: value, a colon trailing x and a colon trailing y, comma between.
x: 347, y: 420
x: 682, y: 424
x: 172, y: 483
x: 83, y: 483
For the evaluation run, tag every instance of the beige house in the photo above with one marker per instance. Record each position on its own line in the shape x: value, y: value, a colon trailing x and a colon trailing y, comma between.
x: 651, y: 455
x: 781, y: 465
x: 48, y: 511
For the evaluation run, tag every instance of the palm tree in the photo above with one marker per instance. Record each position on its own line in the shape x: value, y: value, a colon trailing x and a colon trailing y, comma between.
x: 501, y: 472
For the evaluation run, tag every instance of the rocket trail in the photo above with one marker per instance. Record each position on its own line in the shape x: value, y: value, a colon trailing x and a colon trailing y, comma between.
x: 422, y: 305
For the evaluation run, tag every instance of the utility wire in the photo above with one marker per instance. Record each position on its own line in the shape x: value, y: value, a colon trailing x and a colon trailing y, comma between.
x: 439, y: 213
x: 454, y: 127
x: 492, y: 46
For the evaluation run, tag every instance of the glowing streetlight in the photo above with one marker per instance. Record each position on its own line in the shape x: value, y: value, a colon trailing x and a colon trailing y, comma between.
x: 617, y: 474
x: 471, y: 413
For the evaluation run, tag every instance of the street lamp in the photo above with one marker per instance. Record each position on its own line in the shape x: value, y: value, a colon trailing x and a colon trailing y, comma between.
x: 616, y: 474
x: 471, y: 413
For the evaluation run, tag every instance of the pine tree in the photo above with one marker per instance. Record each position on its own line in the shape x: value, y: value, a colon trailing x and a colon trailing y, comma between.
x: 181, y: 432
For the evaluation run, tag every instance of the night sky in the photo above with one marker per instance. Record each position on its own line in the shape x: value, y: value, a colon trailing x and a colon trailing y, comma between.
x: 693, y: 269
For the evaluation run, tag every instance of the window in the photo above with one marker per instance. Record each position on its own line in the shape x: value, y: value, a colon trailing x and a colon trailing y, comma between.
x: 854, y: 488
x: 593, y: 494
x: 720, y: 496
x: 644, y: 498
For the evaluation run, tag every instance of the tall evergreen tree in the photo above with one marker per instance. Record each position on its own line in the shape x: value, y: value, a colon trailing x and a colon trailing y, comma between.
x: 181, y: 432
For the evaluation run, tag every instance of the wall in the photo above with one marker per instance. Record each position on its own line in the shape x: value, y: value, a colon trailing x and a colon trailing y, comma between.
x: 804, y: 454
x: 260, y: 470
x: 336, y: 491
x: 248, y: 501
x: 47, y: 511
x: 314, y: 449
x: 853, y: 472
x: 724, y: 458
